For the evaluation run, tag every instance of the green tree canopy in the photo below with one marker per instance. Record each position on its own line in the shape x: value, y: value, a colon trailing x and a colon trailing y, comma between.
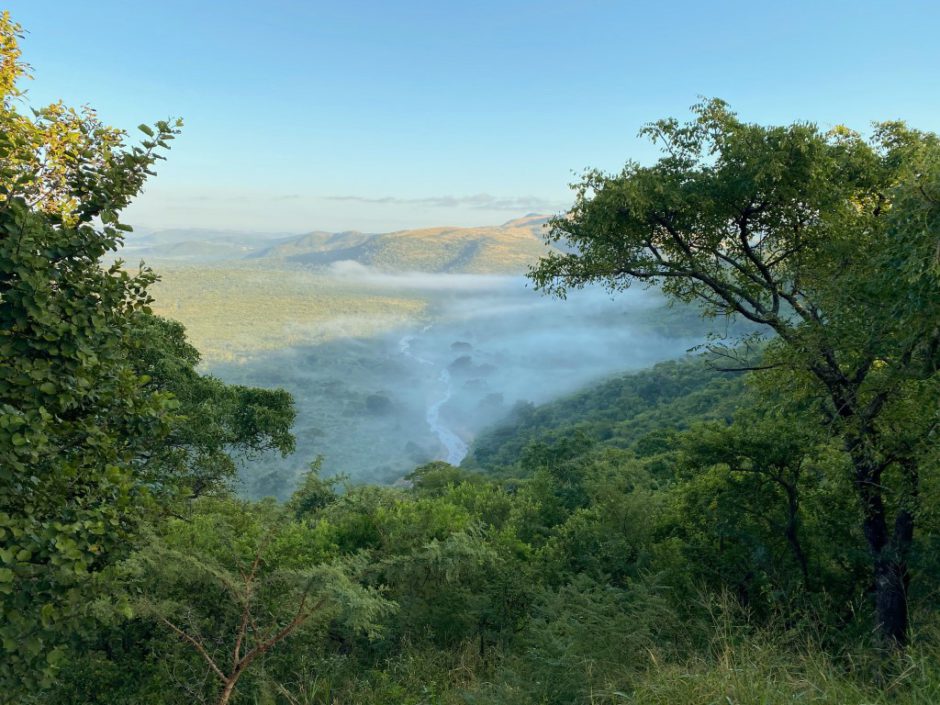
x: 102, y: 413
x: 216, y: 422
x: 73, y: 412
x: 826, y: 239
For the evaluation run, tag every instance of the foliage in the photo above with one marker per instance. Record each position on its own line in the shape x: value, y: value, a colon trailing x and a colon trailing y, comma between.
x: 590, y: 581
x: 73, y: 413
x: 103, y: 419
x: 633, y: 411
x: 663, y: 571
x: 217, y: 422
x: 822, y: 239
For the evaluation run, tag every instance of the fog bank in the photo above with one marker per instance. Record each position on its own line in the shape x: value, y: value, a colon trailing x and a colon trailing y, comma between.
x: 375, y: 408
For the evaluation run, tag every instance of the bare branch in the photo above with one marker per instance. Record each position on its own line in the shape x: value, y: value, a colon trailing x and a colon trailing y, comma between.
x: 198, y: 646
x: 752, y: 368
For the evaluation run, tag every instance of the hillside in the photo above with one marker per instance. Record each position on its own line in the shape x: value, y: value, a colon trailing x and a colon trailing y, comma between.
x: 637, y: 411
x: 502, y: 249
x: 196, y: 245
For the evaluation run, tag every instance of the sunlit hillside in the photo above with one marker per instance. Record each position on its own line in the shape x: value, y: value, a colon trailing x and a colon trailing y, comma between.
x: 242, y: 294
x: 509, y: 248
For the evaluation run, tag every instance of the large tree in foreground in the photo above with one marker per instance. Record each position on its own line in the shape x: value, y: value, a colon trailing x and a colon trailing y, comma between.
x: 829, y: 241
x: 74, y: 414
x: 94, y: 390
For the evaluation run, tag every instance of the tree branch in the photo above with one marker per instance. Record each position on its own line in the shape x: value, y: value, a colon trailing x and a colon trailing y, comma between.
x: 198, y: 646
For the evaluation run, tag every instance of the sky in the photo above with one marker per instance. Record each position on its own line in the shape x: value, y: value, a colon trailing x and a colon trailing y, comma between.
x: 391, y: 114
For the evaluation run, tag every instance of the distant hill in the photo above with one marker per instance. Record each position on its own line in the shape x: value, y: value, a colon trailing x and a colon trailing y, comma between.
x: 502, y: 249
x: 506, y: 248
x: 196, y: 245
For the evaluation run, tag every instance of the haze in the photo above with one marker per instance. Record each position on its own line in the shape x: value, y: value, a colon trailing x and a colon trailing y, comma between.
x: 423, y: 391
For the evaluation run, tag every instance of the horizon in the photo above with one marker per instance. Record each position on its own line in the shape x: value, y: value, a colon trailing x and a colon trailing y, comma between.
x: 142, y: 229
x: 370, y: 117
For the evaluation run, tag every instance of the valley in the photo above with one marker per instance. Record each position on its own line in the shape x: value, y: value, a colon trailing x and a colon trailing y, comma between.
x: 418, y: 362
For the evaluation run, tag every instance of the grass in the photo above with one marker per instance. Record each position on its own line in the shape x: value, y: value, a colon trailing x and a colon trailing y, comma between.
x: 759, y: 672
x: 726, y: 662
x: 233, y: 314
x: 752, y: 672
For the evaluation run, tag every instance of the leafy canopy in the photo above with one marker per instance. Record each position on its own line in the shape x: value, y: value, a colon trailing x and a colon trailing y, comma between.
x: 829, y: 241
x: 73, y: 412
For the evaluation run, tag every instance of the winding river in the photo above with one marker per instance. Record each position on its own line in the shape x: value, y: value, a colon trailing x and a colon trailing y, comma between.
x: 455, y: 448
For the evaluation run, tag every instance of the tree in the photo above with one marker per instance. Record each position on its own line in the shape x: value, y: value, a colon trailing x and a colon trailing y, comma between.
x: 73, y: 412
x: 747, y: 484
x: 826, y: 240
x: 215, y: 421
x: 237, y: 580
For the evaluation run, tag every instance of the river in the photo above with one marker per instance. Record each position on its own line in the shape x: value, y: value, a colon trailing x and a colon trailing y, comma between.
x: 455, y: 448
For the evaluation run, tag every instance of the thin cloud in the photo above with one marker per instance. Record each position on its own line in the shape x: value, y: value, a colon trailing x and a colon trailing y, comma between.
x: 480, y: 201
x: 233, y: 197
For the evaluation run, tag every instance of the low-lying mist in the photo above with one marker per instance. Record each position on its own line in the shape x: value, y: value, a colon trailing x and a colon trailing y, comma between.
x: 377, y: 407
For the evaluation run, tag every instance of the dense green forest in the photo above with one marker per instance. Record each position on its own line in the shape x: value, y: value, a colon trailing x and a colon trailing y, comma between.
x: 756, y: 525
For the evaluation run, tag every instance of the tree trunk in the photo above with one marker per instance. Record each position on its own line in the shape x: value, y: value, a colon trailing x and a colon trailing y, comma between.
x: 892, y: 578
x: 891, y: 600
x: 888, y: 552
x: 792, y: 531
x: 226, y: 693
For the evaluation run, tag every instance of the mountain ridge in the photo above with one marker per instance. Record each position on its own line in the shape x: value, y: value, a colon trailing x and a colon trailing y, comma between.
x: 509, y: 248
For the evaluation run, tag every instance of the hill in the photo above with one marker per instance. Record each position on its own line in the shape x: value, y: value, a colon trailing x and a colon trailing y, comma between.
x: 502, y: 249
x: 196, y: 245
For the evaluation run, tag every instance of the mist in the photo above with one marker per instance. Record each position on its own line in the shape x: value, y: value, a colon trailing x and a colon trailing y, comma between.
x: 377, y: 407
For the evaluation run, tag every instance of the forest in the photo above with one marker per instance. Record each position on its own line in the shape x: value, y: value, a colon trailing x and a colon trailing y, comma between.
x: 754, y: 523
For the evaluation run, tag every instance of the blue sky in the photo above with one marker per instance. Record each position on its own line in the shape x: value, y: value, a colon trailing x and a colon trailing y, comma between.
x: 386, y: 115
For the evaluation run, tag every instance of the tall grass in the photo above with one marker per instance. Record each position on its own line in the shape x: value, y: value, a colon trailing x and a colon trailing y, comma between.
x: 723, y: 659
